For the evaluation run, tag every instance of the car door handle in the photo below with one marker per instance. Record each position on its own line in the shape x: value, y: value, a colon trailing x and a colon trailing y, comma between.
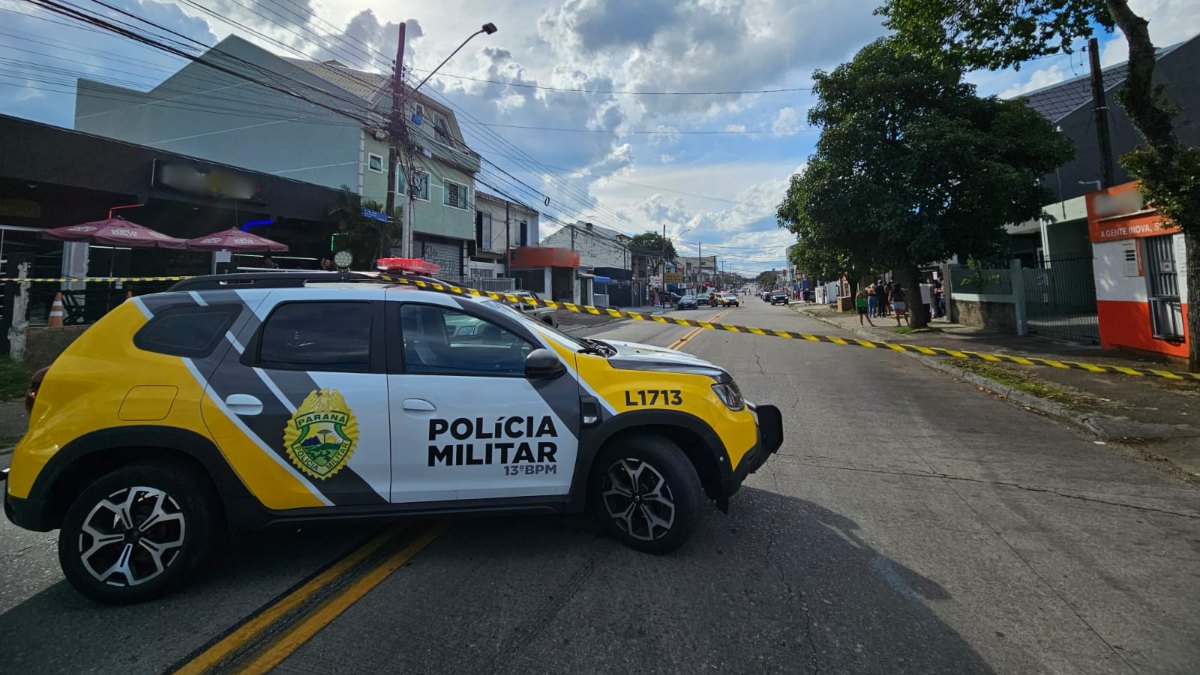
x: 243, y: 404
x: 419, y: 404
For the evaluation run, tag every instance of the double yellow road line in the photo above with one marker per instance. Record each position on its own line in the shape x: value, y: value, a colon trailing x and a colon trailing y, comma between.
x: 704, y: 325
x: 274, y: 633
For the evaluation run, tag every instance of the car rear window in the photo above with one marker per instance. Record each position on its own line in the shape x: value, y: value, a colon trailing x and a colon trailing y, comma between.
x: 190, y: 331
x: 329, y: 336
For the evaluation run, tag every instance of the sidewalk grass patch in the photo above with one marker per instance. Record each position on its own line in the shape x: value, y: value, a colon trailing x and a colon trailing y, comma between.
x: 14, y: 379
x: 1028, y: 383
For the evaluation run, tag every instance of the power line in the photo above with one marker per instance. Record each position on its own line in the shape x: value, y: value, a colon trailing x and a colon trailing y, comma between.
x: 631, y: 92
x: 664, y: 132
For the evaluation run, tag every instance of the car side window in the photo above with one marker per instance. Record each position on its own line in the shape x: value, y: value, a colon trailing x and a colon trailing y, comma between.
x: 440, y: 340
x: 187, y: 330
x: 326, y: 336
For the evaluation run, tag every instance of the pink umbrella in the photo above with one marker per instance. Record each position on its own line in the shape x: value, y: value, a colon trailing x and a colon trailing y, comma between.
x: 234, y: 239
x: 114, y: 232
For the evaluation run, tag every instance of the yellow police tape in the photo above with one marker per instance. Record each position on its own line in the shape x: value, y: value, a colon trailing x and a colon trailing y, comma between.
x: 104, y: 280
x: 794, y: 335
x: 770, y: 332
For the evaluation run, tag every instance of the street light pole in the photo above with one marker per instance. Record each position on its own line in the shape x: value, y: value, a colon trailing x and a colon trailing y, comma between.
x: 398, y: 128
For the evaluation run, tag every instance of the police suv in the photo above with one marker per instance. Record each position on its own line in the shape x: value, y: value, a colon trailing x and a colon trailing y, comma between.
x: 244, y: 401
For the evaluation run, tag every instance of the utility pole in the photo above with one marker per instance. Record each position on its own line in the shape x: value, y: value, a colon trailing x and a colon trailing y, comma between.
x: 1100, y: 108
x: 396, y: 127
x: 507, y: 238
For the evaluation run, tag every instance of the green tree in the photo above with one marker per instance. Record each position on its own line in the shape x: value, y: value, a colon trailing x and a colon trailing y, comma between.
x: 912, y: 167
x: 365, y: 238
x: 653, y: 247
x: 767, y: 280
x: 1002, y: 33
x: 814, y: 252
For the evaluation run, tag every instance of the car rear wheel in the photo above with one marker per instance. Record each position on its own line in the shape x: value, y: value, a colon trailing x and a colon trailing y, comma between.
x: 646, y: 493
x: 137, y: 533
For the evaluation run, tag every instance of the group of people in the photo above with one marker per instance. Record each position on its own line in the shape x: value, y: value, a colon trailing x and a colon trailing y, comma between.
x: 881, y: 299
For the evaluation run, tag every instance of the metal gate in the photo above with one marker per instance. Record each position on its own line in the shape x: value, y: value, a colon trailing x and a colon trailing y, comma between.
x: 1166, y: 310
x: 1060, y: 298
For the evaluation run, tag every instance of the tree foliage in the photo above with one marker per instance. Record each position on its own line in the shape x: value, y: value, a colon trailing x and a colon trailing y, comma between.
x: 1001, y: 33
x: 366, y: 239
x: 768, y: 280
x: 912, y: 167
x: 653, y: 247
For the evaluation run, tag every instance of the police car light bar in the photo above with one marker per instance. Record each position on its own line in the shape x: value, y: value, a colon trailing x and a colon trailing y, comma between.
x: 409, y: 265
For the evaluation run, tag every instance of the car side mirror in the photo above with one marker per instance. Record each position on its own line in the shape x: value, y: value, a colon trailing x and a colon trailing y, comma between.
x: 542, y: 364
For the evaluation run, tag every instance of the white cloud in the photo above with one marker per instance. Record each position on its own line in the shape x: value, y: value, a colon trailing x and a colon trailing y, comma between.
x: 788, y: 122
x: 1042, y: 77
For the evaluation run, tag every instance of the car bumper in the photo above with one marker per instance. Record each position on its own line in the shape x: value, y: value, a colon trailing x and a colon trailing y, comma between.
x: 770, y: 438
x: 27, y: 514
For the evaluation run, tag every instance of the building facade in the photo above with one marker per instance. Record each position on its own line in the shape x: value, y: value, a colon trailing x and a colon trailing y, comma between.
x: 500, y: 224
x: 218, y: 116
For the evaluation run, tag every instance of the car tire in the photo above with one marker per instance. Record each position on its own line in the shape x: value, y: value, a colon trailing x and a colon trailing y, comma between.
x: 168, y: 505
x: 646, y: 493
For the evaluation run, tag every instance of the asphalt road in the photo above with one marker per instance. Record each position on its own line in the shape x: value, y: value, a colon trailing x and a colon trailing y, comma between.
x: 910, y: 523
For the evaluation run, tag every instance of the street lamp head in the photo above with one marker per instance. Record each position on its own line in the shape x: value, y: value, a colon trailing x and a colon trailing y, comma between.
x: 490, y: 28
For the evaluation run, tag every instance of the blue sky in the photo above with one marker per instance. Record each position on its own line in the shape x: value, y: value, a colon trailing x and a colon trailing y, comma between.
x: 717, y: 188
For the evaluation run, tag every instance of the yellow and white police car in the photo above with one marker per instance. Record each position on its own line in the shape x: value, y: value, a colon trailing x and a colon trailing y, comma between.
x: 276, y: 399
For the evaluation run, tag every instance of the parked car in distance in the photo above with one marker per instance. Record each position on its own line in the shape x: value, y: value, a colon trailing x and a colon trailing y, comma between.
x: 536, y: 310
x: 702, y: 300
x: 687, y: 302
x: 779, y: 298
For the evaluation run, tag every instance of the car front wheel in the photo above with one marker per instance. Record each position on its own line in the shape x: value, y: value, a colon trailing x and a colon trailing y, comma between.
x: 646, y: 493
x: 137, y: 533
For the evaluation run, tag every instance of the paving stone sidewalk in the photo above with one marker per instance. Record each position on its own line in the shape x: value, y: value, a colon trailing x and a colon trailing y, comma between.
x: 1159, y: 417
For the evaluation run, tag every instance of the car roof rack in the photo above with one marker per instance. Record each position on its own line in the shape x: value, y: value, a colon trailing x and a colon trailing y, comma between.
x: 288, y: 279
x: 281, y: 279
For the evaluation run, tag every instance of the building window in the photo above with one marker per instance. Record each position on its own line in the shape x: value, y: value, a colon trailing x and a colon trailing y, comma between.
x: 400, y: 190
x: 483, y: 231
x: 524, y: 233
x: 442, y: 128
x: 375, y: 163
x: 456, y: 194
x: 420, y: 185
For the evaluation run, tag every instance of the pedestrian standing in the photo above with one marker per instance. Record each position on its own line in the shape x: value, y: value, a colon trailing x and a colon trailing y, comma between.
x: 872, y: 302
x: 881, y: 298
x: 900, y: 305
x: 939, y: 299
x: 860, y: 301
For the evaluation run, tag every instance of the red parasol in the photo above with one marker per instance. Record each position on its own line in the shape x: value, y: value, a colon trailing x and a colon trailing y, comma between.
x: 234, y: 239
x: 114, y: 232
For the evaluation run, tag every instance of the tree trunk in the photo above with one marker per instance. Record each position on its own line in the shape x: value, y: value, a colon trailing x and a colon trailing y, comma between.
x: 1153, y: 121
x: 910, y: 278
x: 1191, y: 239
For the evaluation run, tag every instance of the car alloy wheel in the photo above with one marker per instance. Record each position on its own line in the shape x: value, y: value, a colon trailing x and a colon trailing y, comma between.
x: 638, y: 499
x: 132, y: 536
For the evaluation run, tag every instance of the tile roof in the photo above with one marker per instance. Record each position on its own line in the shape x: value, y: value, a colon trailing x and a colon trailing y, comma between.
x: 365, y: 85
x: 1059, y: 100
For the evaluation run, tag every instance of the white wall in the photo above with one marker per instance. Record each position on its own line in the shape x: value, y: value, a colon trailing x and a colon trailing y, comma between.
x: 1111, y: 280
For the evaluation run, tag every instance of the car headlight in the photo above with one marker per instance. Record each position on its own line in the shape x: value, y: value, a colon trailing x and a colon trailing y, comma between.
x: 729, y: 394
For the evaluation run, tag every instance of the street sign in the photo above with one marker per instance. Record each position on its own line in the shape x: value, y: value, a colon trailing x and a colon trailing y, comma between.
x: 375, y: 215
x: 656, y: 280
x: 674, y: 277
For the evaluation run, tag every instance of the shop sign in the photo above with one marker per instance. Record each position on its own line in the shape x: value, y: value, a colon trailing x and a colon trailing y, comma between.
x: 1121, y: 213
x: 204, y: 181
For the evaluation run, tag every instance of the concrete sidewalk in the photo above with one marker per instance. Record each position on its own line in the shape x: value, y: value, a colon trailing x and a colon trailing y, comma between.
x: 1159, y: 417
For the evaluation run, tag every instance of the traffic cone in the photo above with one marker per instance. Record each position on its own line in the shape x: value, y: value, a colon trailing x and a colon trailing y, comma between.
x: 56, y: 312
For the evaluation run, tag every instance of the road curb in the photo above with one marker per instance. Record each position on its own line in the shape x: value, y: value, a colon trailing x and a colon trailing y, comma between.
x: 1103, y: 426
